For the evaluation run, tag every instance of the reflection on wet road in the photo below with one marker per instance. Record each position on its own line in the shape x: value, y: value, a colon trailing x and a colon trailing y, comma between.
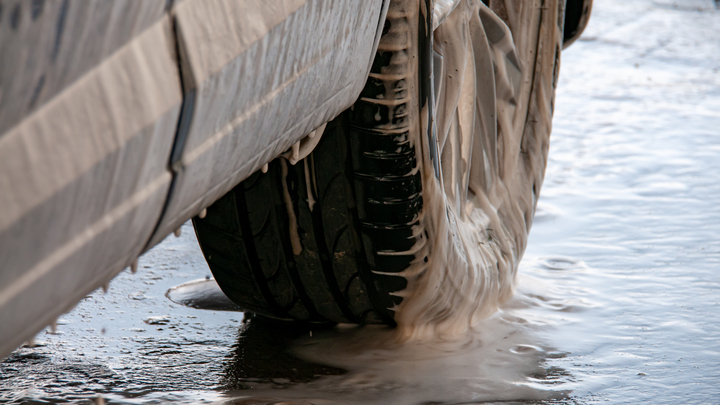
x: 618, y: 297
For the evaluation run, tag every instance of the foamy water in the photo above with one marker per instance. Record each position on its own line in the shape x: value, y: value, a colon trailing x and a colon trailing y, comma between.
x: 477, y: 214
x: 618, y: 294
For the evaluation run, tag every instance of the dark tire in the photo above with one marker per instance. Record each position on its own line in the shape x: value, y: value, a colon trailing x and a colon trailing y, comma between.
x: 320, y: 240
x: 367, y: 190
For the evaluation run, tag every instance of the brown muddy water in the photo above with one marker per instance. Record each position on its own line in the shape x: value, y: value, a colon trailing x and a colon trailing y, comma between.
x: 618, y: 296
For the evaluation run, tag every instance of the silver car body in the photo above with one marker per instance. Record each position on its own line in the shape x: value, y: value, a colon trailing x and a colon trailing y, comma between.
x: 121, y: 120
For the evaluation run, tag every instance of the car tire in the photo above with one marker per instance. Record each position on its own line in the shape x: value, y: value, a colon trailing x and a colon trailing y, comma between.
x: 321, y: 240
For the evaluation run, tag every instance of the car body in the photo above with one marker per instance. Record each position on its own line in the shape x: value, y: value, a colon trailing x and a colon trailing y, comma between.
x: 121, y: 120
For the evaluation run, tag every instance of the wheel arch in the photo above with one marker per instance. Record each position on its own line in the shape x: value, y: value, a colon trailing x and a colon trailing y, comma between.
x: 577, y: 15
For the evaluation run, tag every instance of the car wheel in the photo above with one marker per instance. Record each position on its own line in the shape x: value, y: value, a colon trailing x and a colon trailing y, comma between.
x: 352, y: 231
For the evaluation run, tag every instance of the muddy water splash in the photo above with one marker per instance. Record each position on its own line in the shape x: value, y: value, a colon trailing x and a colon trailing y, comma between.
x: 478, y: 214
x: 492, y: 362
x: 501, y: 359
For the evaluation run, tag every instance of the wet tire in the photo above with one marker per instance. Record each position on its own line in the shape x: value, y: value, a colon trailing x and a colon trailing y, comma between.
x: 307, y: 241
x: 247, y: 236
x: 320, y: 240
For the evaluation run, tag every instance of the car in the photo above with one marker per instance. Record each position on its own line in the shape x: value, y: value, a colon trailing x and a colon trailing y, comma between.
x: 324, y: 150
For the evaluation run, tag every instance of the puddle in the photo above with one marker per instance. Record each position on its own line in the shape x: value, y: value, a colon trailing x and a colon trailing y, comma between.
x: 503, y: 359
x: 201, y: 294
x: 498, y: 361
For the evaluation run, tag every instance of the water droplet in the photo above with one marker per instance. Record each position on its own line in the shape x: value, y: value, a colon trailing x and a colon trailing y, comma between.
x: 525, y: 349
x: 562, y: 263
x: 203, y: 213
x: 178, y: 232
x: 157, y: 320
x: 296, y: 152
